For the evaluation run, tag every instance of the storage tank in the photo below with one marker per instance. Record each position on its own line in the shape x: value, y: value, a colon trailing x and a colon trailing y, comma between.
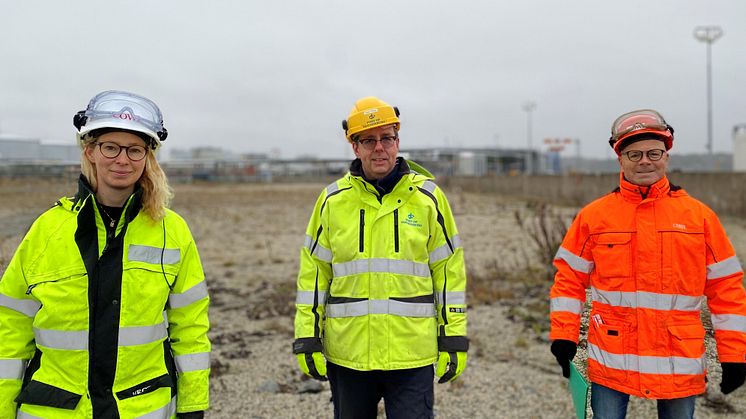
x: 739, y: 148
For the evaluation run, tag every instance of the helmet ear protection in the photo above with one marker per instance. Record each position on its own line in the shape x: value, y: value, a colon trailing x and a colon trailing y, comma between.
x: 79, y: 119
x: 162, y: 134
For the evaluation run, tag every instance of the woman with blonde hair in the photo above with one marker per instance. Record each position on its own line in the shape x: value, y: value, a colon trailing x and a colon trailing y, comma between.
x: 103, y: 308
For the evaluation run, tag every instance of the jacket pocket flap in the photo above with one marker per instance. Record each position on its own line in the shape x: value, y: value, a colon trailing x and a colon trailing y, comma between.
x: 43, y: 394
x: 614, y: 238
x: 687, y: 331
x: 146, y: 387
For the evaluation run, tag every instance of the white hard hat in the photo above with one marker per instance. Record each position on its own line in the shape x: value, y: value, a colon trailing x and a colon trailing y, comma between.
x: 115, y: 109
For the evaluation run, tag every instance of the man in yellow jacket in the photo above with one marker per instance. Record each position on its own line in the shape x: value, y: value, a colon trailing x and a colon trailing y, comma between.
x: 651, y: 255
x: 381, y: 287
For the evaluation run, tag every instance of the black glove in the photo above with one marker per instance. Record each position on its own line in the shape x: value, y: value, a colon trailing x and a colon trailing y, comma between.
x: 191, y: 415
x: 564, y: 351
x: 734, y: 374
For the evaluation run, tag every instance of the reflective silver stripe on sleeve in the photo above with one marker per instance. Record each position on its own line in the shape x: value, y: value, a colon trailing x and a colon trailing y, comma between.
x: 319, y: 251
x: 429, y: 186
x: 27, y: 307
x: 24, y: 415
x: 396, y: 308
x: 734, y: 322
x: 12, y: 369
x: 724, y: 268
x: 194, y: 294
x: 150, y: 254
x: 444, y: 251
x: 164, y: 412
x: 576, y: 262
x: 644, y: 299
x: 306, y: 297
x: 192, y: 362
x: 663, y: 365
x: 140, y: 335
x: 394, y: 266
x: 453, y: 297
x: 572, y: 305
x: 331, y: 188
x: 62, y: 339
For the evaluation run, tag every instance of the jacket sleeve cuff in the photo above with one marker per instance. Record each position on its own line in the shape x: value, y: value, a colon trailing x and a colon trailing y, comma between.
x: 307, y: 345
x: 453, y: 344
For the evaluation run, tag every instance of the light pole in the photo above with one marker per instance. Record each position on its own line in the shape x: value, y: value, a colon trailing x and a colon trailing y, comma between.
x: 708, y: 35
x: 529, y: 108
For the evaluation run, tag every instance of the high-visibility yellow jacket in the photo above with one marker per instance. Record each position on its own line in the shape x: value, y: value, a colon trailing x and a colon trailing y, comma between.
x: 103, y: 327
x: 650, y: 260
x: 382, y: 279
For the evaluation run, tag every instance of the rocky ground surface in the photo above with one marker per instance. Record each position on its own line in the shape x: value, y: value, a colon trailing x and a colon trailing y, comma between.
x: 249, y: 238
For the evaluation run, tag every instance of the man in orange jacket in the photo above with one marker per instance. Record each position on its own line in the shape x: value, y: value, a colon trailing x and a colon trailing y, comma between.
x: 650, y: 254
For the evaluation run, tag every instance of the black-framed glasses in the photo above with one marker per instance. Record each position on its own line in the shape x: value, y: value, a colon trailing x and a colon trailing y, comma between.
x: 112, y: 150
x: 653, y: 155
x: 370, y: 143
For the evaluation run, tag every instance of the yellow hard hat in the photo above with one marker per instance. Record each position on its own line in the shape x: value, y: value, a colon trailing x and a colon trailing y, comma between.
x: 370, y: 112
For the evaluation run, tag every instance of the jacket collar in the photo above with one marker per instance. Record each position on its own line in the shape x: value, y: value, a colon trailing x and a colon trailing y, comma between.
x: 385, y: 184
x: 637, y: 193
x: 85, y: 190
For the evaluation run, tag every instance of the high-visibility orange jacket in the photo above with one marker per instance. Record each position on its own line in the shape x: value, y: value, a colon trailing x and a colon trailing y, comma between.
x: 649, y: 259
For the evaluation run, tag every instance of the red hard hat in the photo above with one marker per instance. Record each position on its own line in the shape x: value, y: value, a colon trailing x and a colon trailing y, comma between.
x: 643, y: 121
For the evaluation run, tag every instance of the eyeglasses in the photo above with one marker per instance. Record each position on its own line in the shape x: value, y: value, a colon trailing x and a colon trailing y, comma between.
x: 371, y: 143
x: 112, y: 150
x: 643, y: 119
x: 653, y: 155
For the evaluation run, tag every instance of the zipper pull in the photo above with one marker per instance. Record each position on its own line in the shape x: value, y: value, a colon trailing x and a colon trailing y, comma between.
x: 31, y: 287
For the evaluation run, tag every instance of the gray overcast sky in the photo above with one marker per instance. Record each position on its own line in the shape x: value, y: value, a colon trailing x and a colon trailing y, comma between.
x: 279, y: 76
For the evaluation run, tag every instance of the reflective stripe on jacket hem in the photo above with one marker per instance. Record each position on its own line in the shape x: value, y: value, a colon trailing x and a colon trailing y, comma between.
x: 397, y: 308
x: 394, y: 266
x: 648, y: 364
x: 164, y: 412
x: 644, y: 299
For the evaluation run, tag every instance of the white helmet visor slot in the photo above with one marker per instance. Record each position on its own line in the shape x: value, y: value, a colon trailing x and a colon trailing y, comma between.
x: 122, y: 110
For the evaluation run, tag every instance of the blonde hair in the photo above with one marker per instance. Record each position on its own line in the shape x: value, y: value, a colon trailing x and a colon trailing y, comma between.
x: 157, y: 193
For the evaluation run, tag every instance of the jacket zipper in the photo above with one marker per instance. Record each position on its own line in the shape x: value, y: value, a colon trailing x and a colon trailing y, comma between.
x: 362, y: 230
x: 396, y: 230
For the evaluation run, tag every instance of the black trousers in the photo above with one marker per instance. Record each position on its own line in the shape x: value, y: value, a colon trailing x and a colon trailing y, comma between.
x: 407, y: 394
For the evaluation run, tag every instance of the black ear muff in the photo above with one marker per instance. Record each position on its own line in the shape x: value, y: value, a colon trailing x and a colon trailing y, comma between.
x: 396, y: 111
x: 79, y: 120
x: 344, y: 125
x: 162, y: 134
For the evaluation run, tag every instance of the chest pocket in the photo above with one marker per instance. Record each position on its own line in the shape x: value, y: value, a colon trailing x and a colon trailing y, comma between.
x: 612, y: 255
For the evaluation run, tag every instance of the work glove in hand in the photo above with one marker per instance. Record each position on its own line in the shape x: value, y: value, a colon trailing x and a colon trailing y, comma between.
x: 450, y: 365
x: 734, y: 374
x: 191, y: 415
x: 310, y: 357
x: 564, y: 351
